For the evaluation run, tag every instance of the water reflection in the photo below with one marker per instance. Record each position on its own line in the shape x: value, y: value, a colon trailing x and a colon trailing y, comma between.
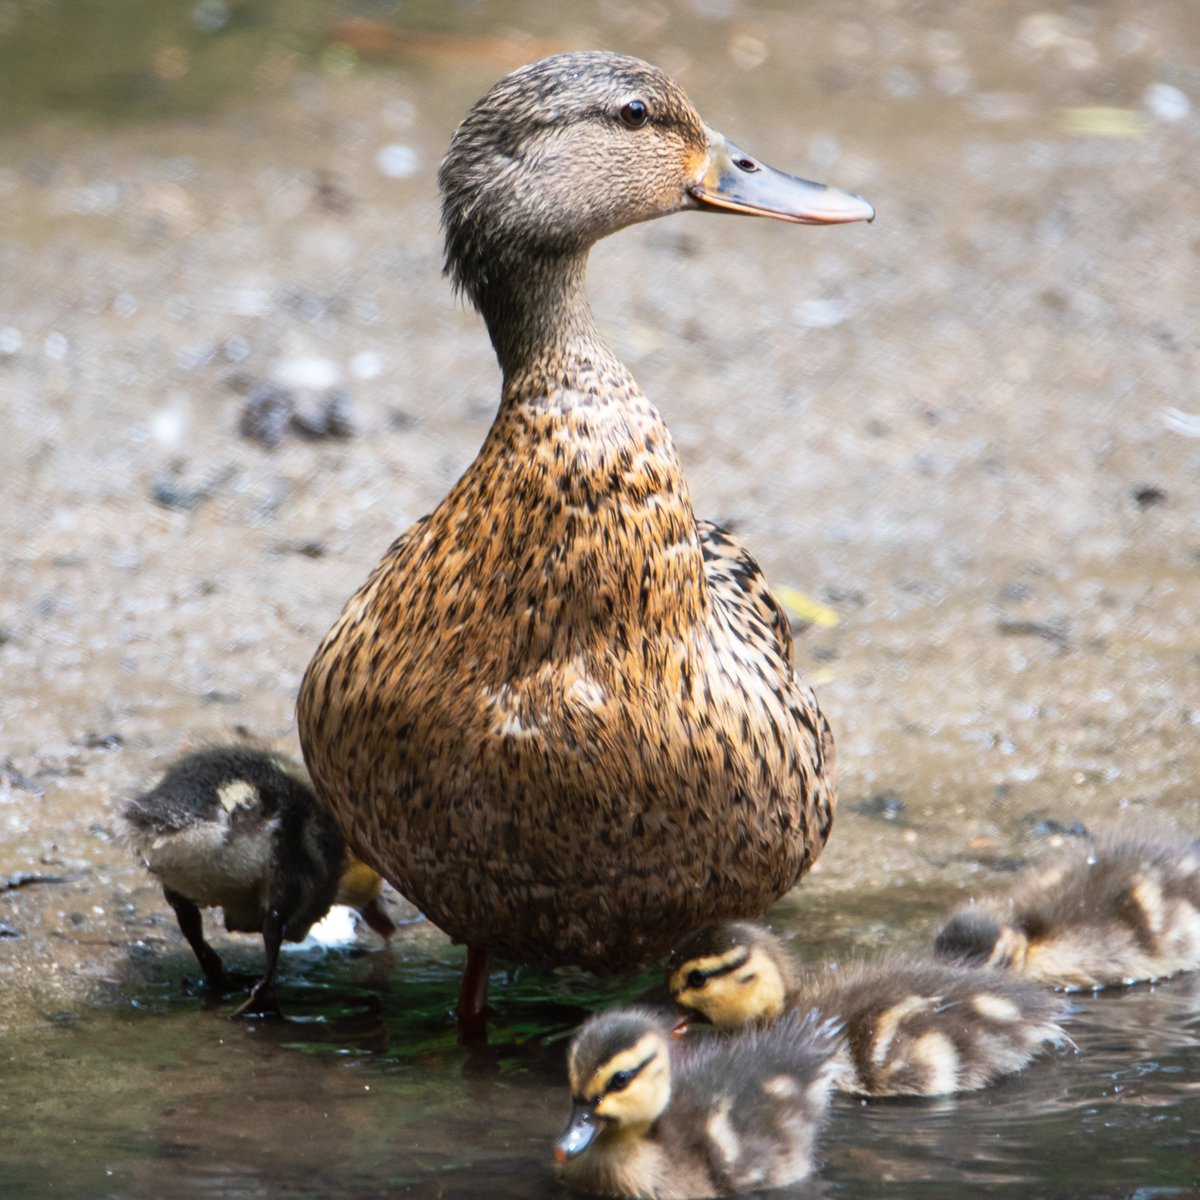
x: 366, y: 1092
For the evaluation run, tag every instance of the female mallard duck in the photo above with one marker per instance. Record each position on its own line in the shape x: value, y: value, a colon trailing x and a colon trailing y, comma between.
x: 907, y: 1027
x: 561, y: 715
x: 660, y: 1118
x: 241, y: 828
x: 1119, y: 910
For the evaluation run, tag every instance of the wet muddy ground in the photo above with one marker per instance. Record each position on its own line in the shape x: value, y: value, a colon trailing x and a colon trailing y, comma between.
x: 970, y: 431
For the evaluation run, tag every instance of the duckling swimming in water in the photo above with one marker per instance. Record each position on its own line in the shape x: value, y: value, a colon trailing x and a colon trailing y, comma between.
x: 561, y: 715
x: 907, y: 1027
x: 1122, y: 909
x: 665, y: 1118
x: 241, y: 828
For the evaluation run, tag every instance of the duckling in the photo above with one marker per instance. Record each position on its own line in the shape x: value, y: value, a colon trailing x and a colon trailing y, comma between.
x: 240, y: 827
x: 907, y: 1027
x: 662, y: 1118
x: 1123, y: 909
x: 561, y: 714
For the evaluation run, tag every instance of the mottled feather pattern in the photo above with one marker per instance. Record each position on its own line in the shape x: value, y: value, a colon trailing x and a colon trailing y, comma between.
x: 561, y: 715
x: 771, y: 1085
x: 559, y: 692
x: 1123, y: 908
x: 915, y: 1027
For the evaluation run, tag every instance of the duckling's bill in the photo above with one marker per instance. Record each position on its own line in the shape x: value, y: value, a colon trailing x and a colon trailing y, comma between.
x: 581, y: 1129
x: 737, y: 182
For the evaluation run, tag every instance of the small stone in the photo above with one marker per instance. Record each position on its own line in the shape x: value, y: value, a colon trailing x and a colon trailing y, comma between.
x: 102, y: 741
x: 1148, y: 495
x: 266, y: 414
x: 173, y: 493
x: 886, y: 806
x: 1048, y: 827
x: 328, y: 419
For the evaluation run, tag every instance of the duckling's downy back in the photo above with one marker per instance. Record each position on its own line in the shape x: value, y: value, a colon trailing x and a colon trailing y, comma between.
x: 1123, y: 908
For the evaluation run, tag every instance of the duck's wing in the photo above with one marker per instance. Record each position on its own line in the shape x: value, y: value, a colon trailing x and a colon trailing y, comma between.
x: 737, y: 584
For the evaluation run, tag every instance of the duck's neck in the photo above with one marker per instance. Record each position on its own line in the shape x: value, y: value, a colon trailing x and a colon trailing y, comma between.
x: 583, y: 461
x: 541, y: 325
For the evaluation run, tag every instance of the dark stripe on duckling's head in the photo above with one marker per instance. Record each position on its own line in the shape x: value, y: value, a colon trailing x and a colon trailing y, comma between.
x: 621, y: 1070
x: 731, y: 973
x: 716, y: 940
x: 603, y: 1044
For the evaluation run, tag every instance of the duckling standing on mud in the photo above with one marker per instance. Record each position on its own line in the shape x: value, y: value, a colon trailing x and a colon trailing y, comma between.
x: 240, y: 828
x: 1119, y: 910
x: 561, y: 715
x: 908, y: 1027
x: 662, y: 1118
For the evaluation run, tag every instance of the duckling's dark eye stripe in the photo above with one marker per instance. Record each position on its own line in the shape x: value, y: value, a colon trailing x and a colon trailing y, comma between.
x: 622, y: 1079
x: 728, y: 968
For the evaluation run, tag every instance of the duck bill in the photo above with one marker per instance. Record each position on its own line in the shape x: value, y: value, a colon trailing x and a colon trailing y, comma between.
x: 581, y: 1129
x: 736, y: 182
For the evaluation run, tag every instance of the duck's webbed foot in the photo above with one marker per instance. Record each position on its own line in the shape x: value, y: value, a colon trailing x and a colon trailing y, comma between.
x: 263, y: 1002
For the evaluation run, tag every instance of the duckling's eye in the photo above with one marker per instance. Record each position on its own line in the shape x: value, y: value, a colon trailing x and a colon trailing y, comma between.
x: 635, y: 114
x: 695, y: 979
x: 620, y: 1081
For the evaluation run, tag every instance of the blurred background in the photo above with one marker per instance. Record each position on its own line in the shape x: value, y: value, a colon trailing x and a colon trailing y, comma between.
x: 964, y: 441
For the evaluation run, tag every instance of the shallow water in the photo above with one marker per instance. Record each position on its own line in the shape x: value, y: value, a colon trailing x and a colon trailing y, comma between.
x: 971, y: 430
x: 365, y: 1091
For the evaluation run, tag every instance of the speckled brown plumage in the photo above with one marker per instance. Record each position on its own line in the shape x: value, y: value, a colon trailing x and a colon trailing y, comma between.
x: 560, y: 715
x: 908, y: 1026
x: 1123, y: 908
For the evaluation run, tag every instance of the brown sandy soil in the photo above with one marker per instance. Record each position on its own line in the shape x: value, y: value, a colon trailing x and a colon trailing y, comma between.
x: 965, y: 428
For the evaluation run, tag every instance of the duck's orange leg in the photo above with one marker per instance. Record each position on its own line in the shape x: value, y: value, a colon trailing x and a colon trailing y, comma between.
x: 472, y: 1011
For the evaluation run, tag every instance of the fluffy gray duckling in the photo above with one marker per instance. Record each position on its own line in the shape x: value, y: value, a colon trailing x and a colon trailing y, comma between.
x: 1119, y: 910
x: 240, y: 827
x: 666, y: 1118
x: 907, y: 1026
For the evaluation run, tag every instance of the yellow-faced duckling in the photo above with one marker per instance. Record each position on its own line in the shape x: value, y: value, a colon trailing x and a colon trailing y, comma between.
x: 1119, y: 910
x: 908, y: 1027
x: 659, y: 1117
x: 241, y: 828
x: 561, y: 715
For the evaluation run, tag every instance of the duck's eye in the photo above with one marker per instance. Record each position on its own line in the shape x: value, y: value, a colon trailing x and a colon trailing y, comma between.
x: 635, y: 114
x: 746, y: 164
x: 620, y: 1081
x: 695, y: 979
